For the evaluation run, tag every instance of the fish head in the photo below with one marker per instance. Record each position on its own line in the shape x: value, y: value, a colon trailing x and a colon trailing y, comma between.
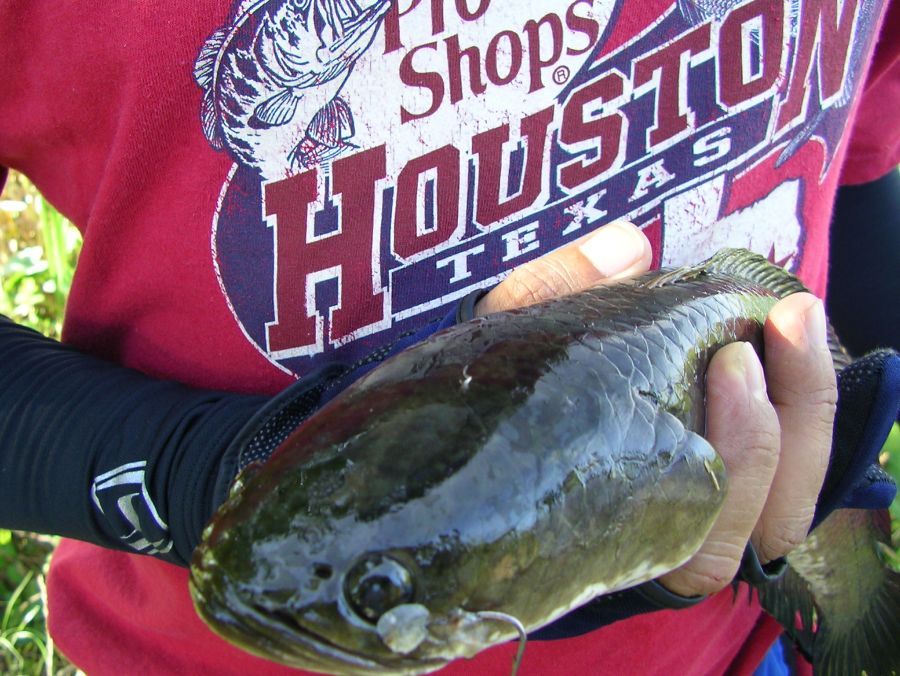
x: 327, y: 563
x: 363, y: 620
x: 320, y: 37
x: 332, y: 607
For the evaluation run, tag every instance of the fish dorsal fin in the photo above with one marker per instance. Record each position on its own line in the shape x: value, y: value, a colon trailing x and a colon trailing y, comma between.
x: 205, y: 65
x: 205, y: 75
x: 676, y: 275
x: 739, y: 263
x: 756, y: 269
x: 752, y: 267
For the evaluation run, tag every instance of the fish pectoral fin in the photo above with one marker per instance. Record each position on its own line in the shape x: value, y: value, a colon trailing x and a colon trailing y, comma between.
x: 278, y: 109
x: 789, y: 600
x: 332, y: 124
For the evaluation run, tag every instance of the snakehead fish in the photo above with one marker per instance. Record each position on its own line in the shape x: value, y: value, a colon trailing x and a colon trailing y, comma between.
x: 406, y: 523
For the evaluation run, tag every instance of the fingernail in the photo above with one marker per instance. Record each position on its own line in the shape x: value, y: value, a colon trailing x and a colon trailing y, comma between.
x: 614, y: 248
x: 753, y: 372
x: 814, y: 323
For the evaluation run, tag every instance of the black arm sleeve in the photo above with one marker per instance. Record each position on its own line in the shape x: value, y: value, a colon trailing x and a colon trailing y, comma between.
x: 105, y: 454
x: 863, y: 284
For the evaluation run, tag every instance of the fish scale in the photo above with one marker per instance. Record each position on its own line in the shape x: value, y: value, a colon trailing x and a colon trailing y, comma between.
x: 521, y: 463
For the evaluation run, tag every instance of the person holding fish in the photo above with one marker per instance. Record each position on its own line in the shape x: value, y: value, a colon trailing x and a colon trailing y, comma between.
x: 366, y: 364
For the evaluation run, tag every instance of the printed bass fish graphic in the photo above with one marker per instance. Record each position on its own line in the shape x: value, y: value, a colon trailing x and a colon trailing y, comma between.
x: 272, y: 80
x: 513, y: 468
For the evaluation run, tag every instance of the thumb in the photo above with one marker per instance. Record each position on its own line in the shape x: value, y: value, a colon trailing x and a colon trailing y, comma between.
x: 610, y: 253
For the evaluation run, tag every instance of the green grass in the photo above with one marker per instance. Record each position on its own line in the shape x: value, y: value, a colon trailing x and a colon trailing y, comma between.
x: 890, y: 458
x: 25, y: 644
x: 38, y: 251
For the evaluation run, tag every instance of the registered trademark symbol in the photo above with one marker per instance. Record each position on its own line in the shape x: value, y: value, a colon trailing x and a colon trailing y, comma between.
x: 561, y: 74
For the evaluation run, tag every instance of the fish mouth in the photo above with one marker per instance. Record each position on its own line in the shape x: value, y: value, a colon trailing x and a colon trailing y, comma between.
x: 278, y: 636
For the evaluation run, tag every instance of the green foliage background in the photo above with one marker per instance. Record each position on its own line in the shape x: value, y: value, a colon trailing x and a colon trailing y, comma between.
x: 38, y: 252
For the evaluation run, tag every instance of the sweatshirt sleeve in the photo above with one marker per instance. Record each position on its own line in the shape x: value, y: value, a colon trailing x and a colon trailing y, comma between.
x: 874, y: 143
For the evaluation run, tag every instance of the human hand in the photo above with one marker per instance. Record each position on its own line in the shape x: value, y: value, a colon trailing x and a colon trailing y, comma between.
x: 773, y: 430
x: 772, y: 494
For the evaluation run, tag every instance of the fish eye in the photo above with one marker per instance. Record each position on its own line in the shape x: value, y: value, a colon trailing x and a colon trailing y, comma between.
x: 375, y: 584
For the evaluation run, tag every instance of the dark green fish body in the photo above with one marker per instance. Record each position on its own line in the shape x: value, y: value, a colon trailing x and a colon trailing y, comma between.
x: 522, y: 464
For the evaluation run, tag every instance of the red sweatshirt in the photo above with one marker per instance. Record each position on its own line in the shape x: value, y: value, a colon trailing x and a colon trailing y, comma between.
x: 264, y: 185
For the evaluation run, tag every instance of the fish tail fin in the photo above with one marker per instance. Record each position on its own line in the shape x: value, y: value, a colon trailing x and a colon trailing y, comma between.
x: 872, y: 645
x: 839, y: 600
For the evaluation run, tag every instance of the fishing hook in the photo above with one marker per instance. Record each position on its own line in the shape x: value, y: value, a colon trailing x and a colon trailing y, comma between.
x: 509, y: 619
